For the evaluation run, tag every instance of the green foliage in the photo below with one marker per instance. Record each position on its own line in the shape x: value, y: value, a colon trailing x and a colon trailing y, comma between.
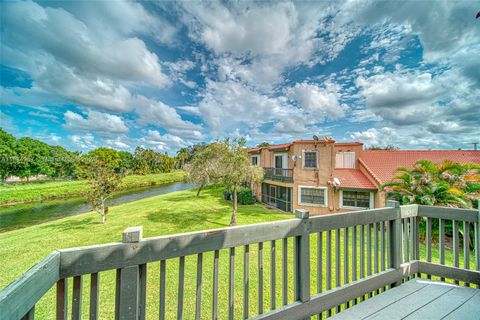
x: 263, y: 144
x: 147, y: 161
x: 8, y: 159
x: 103, y: 180
x: 245, y: 196
x: 387, y: 147
x: 26, y: 157
x: 126, y: 161
x: 226, y: 163
x: 445, y: 184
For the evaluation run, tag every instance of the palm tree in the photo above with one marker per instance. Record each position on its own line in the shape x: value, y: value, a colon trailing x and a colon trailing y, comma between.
x: 182, y: 155
x: 448, y: 183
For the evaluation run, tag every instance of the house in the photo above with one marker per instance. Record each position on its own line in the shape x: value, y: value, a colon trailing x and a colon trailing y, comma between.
x: 324, y: 176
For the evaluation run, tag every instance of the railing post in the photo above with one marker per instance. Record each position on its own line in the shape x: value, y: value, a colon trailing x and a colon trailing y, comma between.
x: 129, y: 287
x: 302, y: 258
x: 395, y: 239
x: 476, y: 245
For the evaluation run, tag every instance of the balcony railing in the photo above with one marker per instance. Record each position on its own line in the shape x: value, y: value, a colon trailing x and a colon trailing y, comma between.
x: 349, y: 256
x: 278, y: 174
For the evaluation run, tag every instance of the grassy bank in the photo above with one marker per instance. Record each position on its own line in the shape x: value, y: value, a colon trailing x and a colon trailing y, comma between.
x: 49, y: 190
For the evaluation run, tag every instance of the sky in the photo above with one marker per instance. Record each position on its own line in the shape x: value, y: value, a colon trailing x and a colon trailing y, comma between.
x: 166, y: 75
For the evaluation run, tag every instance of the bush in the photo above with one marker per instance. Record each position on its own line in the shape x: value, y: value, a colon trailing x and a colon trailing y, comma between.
x: 245, y: 196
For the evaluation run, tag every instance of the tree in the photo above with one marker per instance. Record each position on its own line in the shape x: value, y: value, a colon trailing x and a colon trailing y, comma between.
x: 448, y: 183
x: 103, y: 182
x: 126, y: 161
x: 387, y: 147
x: 182, y: 156
x: 263, y: 144
x: 61, y: 162
x: 33, y: 158
x: 8, y: 156
x: 225, y: 162
x: 203, y: 168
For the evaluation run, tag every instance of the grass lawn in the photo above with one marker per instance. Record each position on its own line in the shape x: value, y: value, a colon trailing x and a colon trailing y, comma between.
x: 166, y: 214
x: 49, y: 190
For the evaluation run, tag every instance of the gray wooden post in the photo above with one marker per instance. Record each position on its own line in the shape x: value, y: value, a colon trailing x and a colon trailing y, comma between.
x: 395, y: 238
x: 302, y: 258
x: 129, y: 295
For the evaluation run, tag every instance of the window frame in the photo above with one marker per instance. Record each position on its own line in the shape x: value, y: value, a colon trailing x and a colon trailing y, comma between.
x: 325, y: 197
x: 284, y: 160
x: 257, y: 156
x: 371, y: 199
x: 303, y: 160
x: 342, y: 153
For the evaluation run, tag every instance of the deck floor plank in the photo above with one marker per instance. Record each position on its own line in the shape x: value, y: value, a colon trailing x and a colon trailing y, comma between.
x: 444, y: 305
x: 470, y: 310
x: 372, y: 305
x: 412, y: 302
x: 419, y: 299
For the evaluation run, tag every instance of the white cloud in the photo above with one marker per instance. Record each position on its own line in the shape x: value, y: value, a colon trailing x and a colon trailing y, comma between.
x: 163, y: 142
x: 321, y: 102
x: 257, y: 42
x: 98, y: 122
x: 33, y: 31
x: 119, y: 143
x: 84, y: 142
x: 400, y: 97
x: 161, y: 115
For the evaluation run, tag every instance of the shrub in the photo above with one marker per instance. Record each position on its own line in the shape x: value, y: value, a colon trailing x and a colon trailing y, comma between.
x: 245, y: 196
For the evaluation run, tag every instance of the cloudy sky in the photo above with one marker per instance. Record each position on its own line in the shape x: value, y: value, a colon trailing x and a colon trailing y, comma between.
x: 166, y: 75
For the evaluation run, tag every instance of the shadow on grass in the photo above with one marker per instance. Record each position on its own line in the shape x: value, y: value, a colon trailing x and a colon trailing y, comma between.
x: 71, y: 224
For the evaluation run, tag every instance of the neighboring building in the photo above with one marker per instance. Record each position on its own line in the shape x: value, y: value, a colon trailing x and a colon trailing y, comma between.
x: 324, y: 176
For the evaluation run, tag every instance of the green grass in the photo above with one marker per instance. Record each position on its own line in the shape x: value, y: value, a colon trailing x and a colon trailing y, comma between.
x: 168, y: 214
x: 49, y: 190
x: 165, y: 214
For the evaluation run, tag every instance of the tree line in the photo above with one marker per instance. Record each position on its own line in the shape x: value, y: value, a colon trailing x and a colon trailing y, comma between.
x: 27, y: 157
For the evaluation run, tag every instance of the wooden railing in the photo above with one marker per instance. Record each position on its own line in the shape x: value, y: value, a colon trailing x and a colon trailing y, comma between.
x: 278, y: 174
x: 325, y: 264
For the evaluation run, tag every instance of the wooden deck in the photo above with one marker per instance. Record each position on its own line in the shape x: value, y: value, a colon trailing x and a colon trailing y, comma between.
x: 419, y: 299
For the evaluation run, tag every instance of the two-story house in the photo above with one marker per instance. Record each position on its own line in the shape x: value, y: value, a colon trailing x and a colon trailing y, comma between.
x: 324, y: 176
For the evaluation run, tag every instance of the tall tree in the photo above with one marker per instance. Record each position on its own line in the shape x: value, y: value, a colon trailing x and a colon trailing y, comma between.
x: 225, y: 162
x: 181, y: 157
x: 8, y: 156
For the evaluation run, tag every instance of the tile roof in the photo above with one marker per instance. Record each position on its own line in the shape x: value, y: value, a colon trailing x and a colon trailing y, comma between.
x: 383, y: 164
x: 348, y: 144
x: 353, y: 178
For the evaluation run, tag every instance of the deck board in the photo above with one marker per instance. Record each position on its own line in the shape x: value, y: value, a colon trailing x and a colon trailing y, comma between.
x: 470, y: 310
x: 419, y: 299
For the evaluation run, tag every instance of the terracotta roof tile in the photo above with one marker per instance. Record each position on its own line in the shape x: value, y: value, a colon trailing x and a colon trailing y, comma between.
x: 347, y: 144
x: 383, y: 164
x: 353, y: 178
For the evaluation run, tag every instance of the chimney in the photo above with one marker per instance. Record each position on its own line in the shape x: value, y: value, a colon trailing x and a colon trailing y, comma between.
x: 475, y: 145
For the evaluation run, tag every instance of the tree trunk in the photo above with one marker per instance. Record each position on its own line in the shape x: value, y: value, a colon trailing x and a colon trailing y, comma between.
x: 103, y: 212
x: 199, y: 189
x: 233, y: 221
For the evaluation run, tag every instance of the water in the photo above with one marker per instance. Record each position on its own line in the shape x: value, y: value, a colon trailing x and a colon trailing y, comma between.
x: 24, y: 215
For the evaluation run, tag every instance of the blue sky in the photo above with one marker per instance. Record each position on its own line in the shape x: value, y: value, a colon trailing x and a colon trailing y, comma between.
x: 165, y: 75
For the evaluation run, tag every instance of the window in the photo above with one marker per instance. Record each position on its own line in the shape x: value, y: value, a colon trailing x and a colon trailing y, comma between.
x: 357, y: 199
x: 255, y: 160
x: 313, y: 196
x: 310, y: 159
x: 345, y: 160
